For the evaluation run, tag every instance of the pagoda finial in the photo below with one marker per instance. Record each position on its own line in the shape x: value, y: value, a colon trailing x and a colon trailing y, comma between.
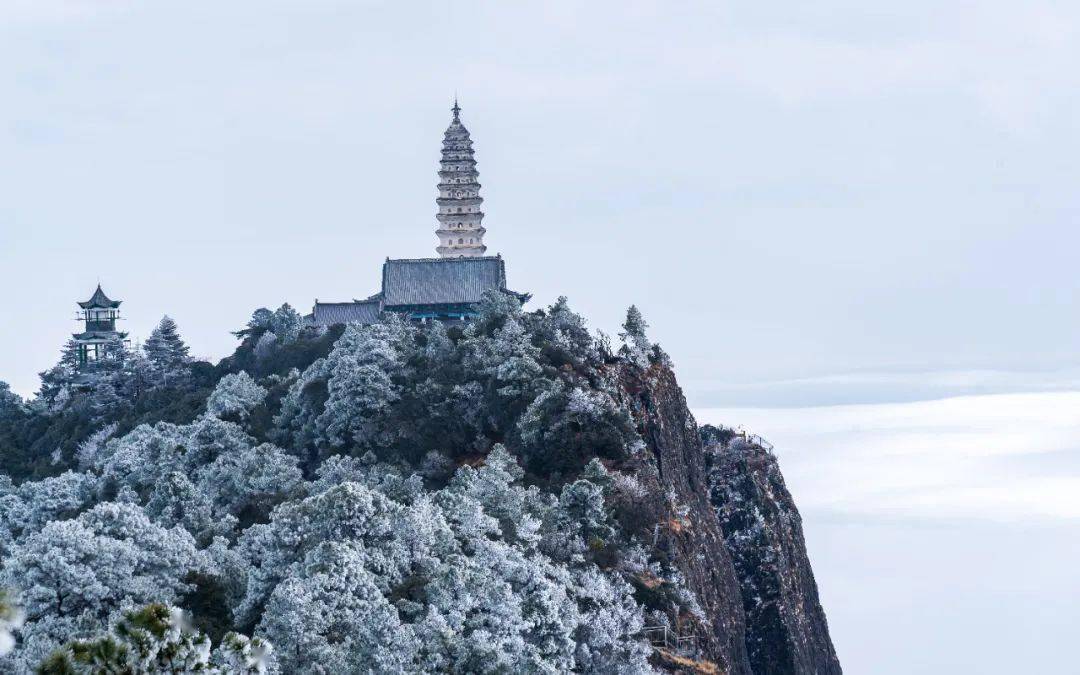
x: 456, y: 110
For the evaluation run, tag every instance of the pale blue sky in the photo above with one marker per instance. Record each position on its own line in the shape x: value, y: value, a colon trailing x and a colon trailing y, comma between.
x: 814, y: 204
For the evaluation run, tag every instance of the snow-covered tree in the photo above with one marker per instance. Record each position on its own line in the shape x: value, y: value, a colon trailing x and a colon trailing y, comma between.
x: 72, y: 574
x: 247, y: 482
x: 175, y: 500
x: 565, y: 338
x: 235, y: 396
x: 106, y: 400
x: 361, y: 388
x: 56, y: 382
x: 258, y: 323
x: 86, y: 453
x: 565, y: 426
x: 509, y: 363
x: 349, y: 580
x: 10, y: 402
x: 265, y: 345
x: 140, y: 458
x: 333, y: 618
x: 158, y: 639
x: 636, y: 344
x: 166, y: 350
x: 286, y: 323
x: 29, y: 507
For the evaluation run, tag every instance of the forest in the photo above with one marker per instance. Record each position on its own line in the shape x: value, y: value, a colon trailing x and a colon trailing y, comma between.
x: 394, y: 497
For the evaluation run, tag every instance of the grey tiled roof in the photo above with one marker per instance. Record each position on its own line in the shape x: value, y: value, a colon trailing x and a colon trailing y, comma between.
x: 99, y: 299
x: 330, y: 313
x: 438, y: 281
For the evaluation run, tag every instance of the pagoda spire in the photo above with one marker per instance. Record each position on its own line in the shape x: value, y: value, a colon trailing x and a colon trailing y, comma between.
x: 460, y: 232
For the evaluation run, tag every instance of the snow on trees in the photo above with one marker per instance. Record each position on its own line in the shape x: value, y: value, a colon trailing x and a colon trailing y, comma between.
x: 158, y: 639
x: 235, y: 395
x: 166, y: 350
x: 286, y: 323
x: 351, y: 580
x: 73, y: 574
x: 407, y: 498
x: 636, y: 345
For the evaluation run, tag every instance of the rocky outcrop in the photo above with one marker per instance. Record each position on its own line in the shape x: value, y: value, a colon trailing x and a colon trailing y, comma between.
x: 786, y: 630
x: 729, y: 526
x: 688, y: 530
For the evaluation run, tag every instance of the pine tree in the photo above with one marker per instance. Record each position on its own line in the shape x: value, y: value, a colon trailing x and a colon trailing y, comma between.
x: 637, y: 345
x: 165, y: 349
x: 56, y: 381
x: 286, y: 323
x: 157, y: 639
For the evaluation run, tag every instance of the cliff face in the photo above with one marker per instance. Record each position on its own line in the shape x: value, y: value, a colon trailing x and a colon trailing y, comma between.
x: 688, y: 530
x: 786, y: 631
x: 733, y: 532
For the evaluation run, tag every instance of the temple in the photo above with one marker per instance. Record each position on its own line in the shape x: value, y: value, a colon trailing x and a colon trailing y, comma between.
x: 447, y: 288
x: 99, y: 315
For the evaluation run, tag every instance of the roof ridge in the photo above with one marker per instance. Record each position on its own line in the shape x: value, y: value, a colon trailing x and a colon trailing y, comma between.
x: 445, y: 260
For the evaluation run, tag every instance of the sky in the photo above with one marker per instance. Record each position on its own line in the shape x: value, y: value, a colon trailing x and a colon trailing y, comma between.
x: 853, y: 225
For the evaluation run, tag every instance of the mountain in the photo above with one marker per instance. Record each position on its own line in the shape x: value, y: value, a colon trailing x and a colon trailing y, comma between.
x: 508, y: 494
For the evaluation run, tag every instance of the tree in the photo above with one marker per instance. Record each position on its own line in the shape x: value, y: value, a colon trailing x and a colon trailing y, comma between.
x: 158, y: 639
x: 72, y: 574
x: 235, y: 396
x: 361, y: 389
x: 636, y: 345
x: 565, y: 338
x: 166, y: 351
x: 94, y: 562
x: 177, y: 501
x: 35, y: 503
x: 11, y: 404
x: 508, y: 362
x: 286, y: 323
x: 258, y: 323
x: 249, y: 482
x: 56, y: 381
x: 13, y: 415
x: 566, y: 426
x: 113, y: 359
x: 332, y: 617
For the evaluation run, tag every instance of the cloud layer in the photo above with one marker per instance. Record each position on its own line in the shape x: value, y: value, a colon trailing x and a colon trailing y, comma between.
x: 1004, y: 457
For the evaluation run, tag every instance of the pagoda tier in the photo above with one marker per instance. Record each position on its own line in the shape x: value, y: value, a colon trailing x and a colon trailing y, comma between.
x: 460, y: 232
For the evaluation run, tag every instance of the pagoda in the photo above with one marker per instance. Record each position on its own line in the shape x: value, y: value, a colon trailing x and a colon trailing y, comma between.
x: 448, y: 288
x: 99, y: 315
x: 460, y: 232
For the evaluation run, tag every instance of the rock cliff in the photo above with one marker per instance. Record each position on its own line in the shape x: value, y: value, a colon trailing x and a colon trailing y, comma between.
x: 731, y: 528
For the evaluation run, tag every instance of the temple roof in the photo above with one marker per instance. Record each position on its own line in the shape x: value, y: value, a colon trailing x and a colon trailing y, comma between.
x: 330, y: 313
x: 100, y: 301
x: 441, y: 281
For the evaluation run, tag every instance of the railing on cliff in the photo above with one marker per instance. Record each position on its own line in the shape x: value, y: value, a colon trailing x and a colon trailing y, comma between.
x: 751, y: 438
x: 664, y: 636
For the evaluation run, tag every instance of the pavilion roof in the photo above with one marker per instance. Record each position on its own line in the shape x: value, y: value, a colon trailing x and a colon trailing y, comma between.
x: 100, y: 301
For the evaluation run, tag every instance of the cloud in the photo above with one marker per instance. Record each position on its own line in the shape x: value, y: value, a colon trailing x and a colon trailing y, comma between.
x: 877, y: 386
x: 1002, y: 457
